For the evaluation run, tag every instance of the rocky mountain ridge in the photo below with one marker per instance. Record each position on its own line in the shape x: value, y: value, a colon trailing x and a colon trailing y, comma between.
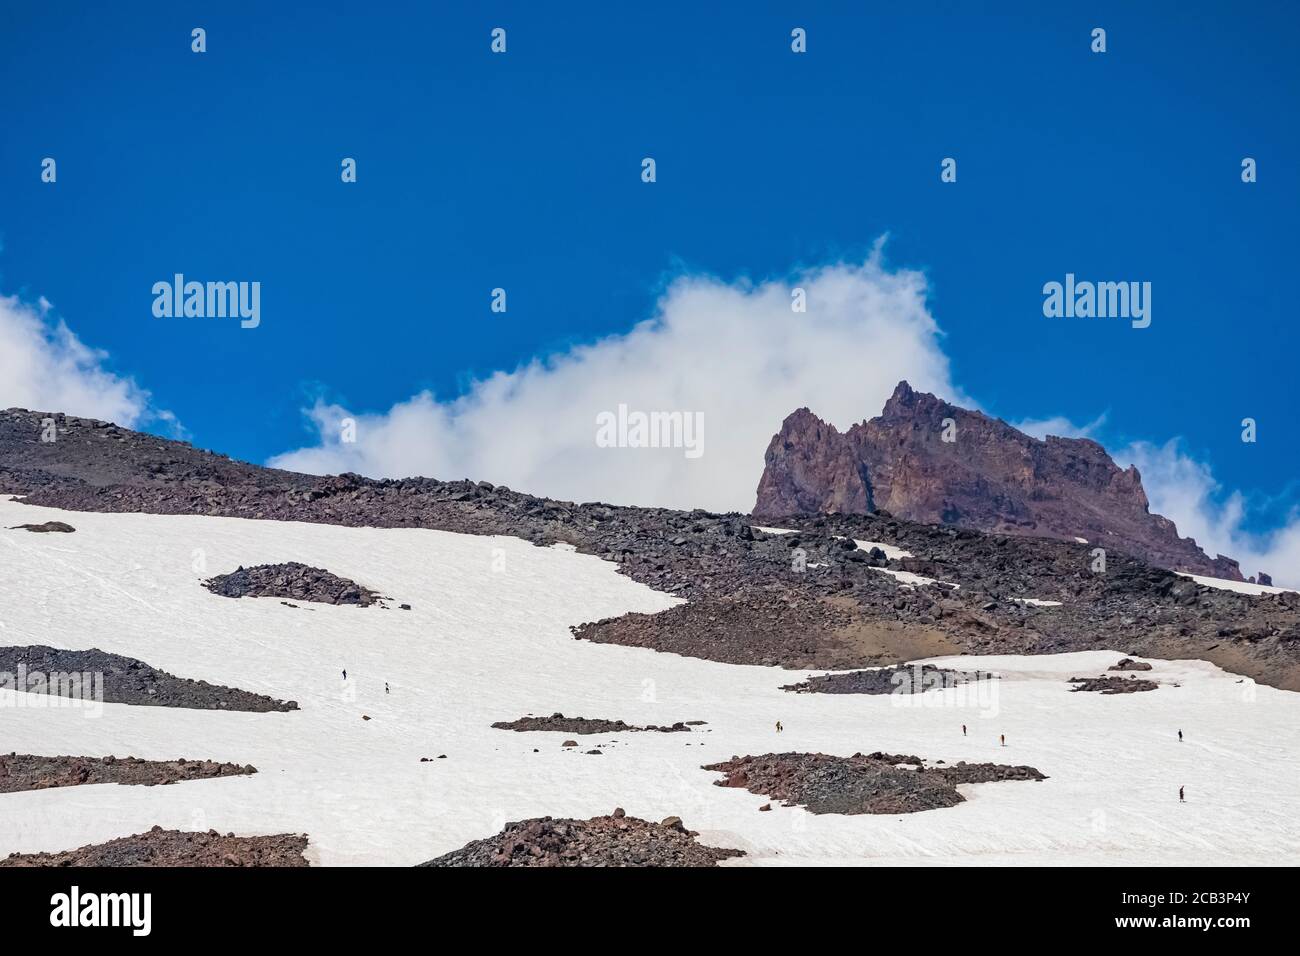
x: 926, y: 460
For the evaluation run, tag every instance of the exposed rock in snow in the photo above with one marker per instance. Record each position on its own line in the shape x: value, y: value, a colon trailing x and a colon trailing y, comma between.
x: 58, y: 526
x: 614, y: 840
x: 28, y: 772
x: 79, y: 675
x: 583, y: 725
x: 291, y: 580
x: 159, y: 847
x: 863, y: 783
x: 914, y: 679
x: 1128, y: 664
x: 1112, y: 685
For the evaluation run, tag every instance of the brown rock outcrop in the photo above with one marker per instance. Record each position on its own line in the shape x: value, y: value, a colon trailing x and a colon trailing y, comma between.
x: 988, y: 477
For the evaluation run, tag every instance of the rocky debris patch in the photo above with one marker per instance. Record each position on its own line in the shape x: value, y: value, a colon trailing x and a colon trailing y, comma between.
x: 614, y: 840
x: 583, y: 725
x: 914, y: 679
x: 294, y: 580
x: 962, y: 772
x: 85, y: 675
x: 809, y: 600
x: 28, y: 772
x: 160, y: 847
x: 772, y: 625
x: 1112, y: 685
x: 1128, y: 664
x: 863, y: 783
x: 48, y: 526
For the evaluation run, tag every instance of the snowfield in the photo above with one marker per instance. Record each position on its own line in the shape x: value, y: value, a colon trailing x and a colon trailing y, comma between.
x: 488, y: 639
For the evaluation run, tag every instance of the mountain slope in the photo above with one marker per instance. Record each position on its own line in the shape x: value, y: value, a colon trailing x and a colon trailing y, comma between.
x: 808, y: 599
x: 480, y: 646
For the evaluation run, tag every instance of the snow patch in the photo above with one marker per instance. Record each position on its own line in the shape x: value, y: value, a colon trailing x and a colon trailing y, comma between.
x: 908, y: 579
x: 892, y: 552
x: 1241, y: 587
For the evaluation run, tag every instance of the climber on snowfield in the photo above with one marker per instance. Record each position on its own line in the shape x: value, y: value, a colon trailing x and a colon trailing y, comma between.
x: 779, y: 728
x: 345, y: 673
x: 1004, y: 739
x: 386, y: 687
x: 1180, y: 736
x: 963, y: 730
x: 1180, y: 795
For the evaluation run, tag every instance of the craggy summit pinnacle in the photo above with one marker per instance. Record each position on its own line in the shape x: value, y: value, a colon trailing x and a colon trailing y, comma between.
x: 991, y: 477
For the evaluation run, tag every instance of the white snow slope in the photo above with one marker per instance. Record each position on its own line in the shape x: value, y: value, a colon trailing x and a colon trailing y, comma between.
x: 482, y: 645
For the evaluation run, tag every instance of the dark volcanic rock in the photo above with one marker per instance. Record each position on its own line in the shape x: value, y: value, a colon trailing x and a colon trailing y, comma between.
x: 1128, y: 664
x: 809, y: 467
x: 614, y: 840
x: 885, y: 680
x: 748, y: 604
x: 583, y: 725
x: 161, y: 847
x: 48, y: 526
x: 124, y: 680
x: 28, y: 772
x: 762, y: 625
x: 291, y: 580
x: 1112, y: 685
x: 870, y: 783
x: 991, y: 477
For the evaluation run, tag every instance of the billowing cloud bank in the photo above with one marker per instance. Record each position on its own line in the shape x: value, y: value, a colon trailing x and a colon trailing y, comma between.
x: 45, y: 367
x: 737, y: 354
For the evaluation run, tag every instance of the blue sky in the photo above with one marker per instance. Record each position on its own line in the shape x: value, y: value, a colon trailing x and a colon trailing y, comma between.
x: 522, y: 171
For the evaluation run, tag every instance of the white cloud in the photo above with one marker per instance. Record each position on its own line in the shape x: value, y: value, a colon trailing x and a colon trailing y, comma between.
x: 45, y: 367
x: 1185, y: 491
x: 1060, y: 426
x: 735, y: 352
